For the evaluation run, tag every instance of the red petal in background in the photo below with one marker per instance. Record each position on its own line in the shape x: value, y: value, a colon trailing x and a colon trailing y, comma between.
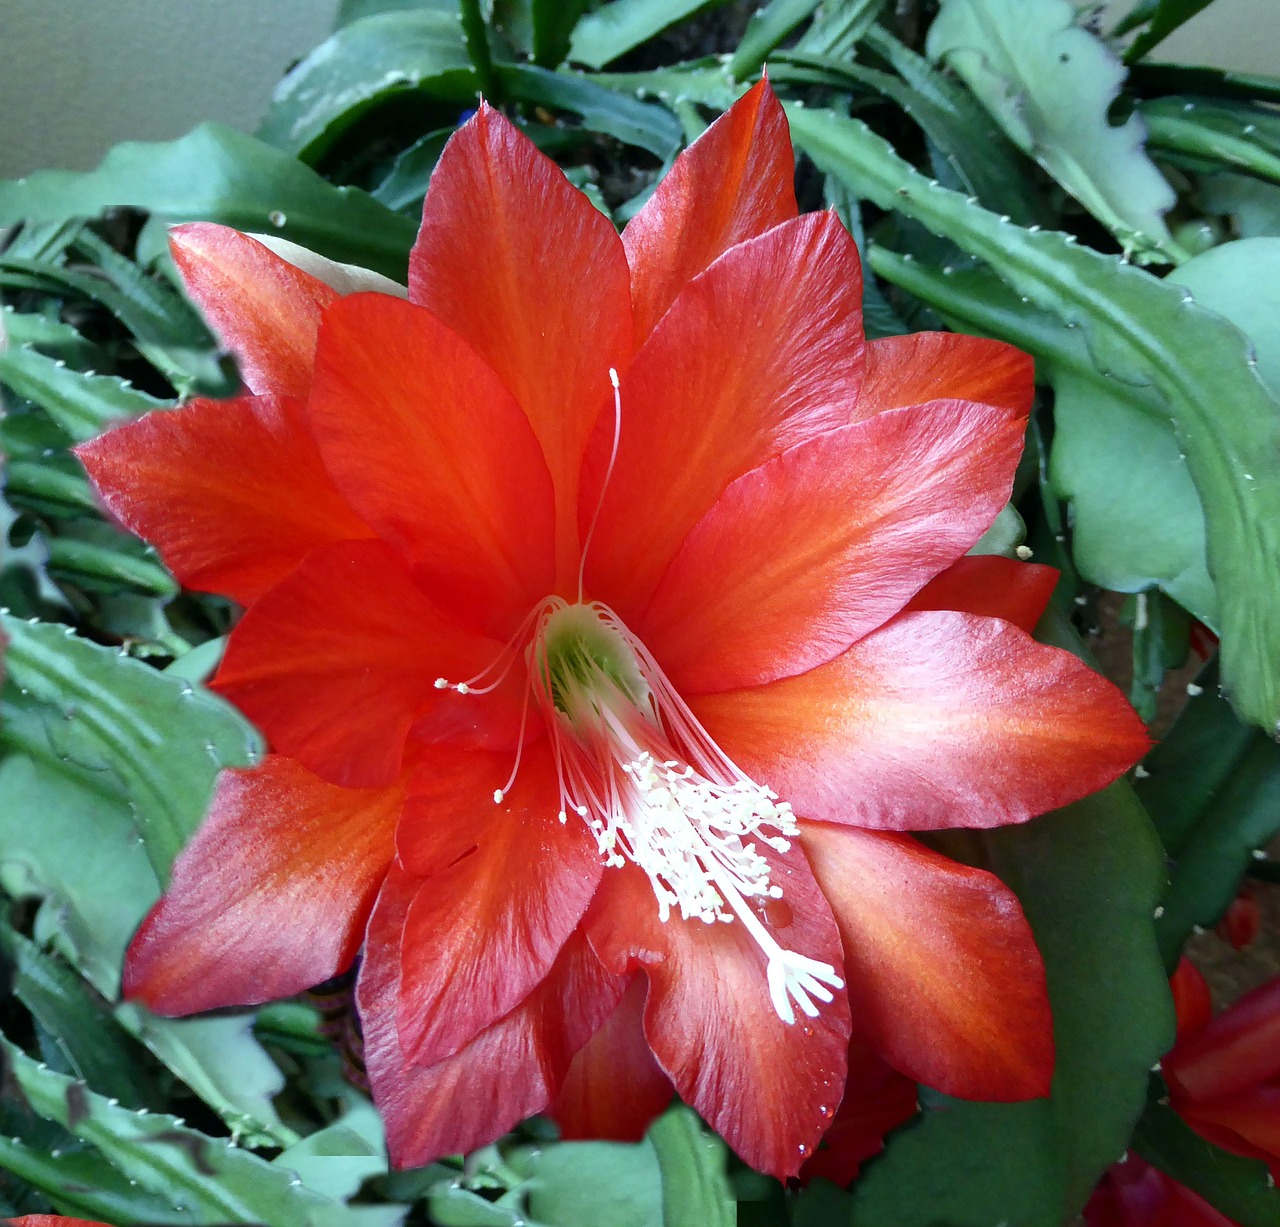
x: 768, y: 1088
x: 993, y: 586
x: 944, y: 978
x: 264, y: 309
x: 1237, y: 1050
x: 614, y: 1089
x: 734, y: 182
x: 232, y: 493
x: 816, y: 548
x: 876, y: 1100
x: 270, y: 896
x: 935, y: 720
x: 507, y: 1073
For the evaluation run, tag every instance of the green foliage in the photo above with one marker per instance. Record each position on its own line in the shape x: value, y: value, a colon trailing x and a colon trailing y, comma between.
x: 361, y: 66
x: 622, y: 25
x: 217, y: 174
x: 1141, y: 331
x: 1050, y: 84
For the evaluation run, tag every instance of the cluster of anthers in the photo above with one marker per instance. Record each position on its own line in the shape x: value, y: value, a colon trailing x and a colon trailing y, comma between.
x: 637, y: 766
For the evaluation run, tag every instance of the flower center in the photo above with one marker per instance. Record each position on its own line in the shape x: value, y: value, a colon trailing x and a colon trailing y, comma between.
x: 655, y: 789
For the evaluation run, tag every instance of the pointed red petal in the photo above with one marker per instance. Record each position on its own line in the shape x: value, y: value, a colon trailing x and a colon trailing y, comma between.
x: 264, y: 309
x: 993, y: 586
x: 270, y: 896
x: 926, y: 366
x: 422, y: 438
x: 813, y: 550
x: 945, y: 980
x: 232, y: 493
x: 935, y: 720
x: 518, y: 262
x: 876, y: 1100
x: 508, y: 1072
x: 614, y: 1089
x: 1134, y: 1194
x: 481, y: 934
x: 339, y: 660
x: 767, y: 1088
x: 1192, y: 1002
x: 1238, y: 1049
x: 736, y: 181
x: 759, y: 353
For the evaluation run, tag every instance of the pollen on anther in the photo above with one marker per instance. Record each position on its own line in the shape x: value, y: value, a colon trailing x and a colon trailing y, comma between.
x: 442, y: 683
x: 498, y: 796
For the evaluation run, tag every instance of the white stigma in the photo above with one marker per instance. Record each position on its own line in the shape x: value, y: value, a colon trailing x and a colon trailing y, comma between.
x: 655, y: 790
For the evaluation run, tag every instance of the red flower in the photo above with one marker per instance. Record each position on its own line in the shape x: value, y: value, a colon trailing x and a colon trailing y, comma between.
x: 1223, y: 1076
x: 570, y: 583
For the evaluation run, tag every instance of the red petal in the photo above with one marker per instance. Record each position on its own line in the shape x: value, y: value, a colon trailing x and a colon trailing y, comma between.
x: 1238, y: 1049
x: 1192, y: 1002
x: 736, y: 181
x: 935, y: 720
x: 518, y: 262
x: 926, y: 366
x: 945, y: 980
x: 767, y: 1088
x: 232, y: 493
x: 339, y: 660
x: 993, y: 586
x: 1134, y: 1194
x: 759, y: 353
x: 270, y: 896
x: 423, y: 439
x: 808, y: 553
x: 876, y: 1100
x: 1247, y: 1122
x: 264, y: 309
x: 614, y: 1089
x: 481, y: 934
x: 508, y: 1072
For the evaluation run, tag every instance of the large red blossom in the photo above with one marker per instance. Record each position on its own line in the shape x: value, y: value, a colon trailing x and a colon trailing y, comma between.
x: 610, y: 620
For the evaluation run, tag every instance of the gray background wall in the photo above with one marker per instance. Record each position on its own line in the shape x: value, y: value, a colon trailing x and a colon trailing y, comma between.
x: 76, y: 76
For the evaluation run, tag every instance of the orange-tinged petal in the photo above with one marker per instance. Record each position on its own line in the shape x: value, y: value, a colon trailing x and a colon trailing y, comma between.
x: 759, y: 353
x: 481, y: 934
x: 736, y: 181
x: 517, y: 261
x: 338, y: 661
x: 808, y: 553
x: 614, y: 1089
x: 270, y: 896
x: 425, y: 442
x: 232, y: 493
x: 935, y: 720
x: 993, y: 586
x: 507, y: 1073
x: 877, y: 1099
x: 925, y: 366
x: 944, y: 978
x: 50, y: 1220
x: 768, y: 1088
x: 263, y: 308
x: 1238, y: 1049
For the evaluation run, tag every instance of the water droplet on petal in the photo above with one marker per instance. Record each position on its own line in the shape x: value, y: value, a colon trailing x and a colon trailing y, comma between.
x: 276, y: 218
x: 778, y: 913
